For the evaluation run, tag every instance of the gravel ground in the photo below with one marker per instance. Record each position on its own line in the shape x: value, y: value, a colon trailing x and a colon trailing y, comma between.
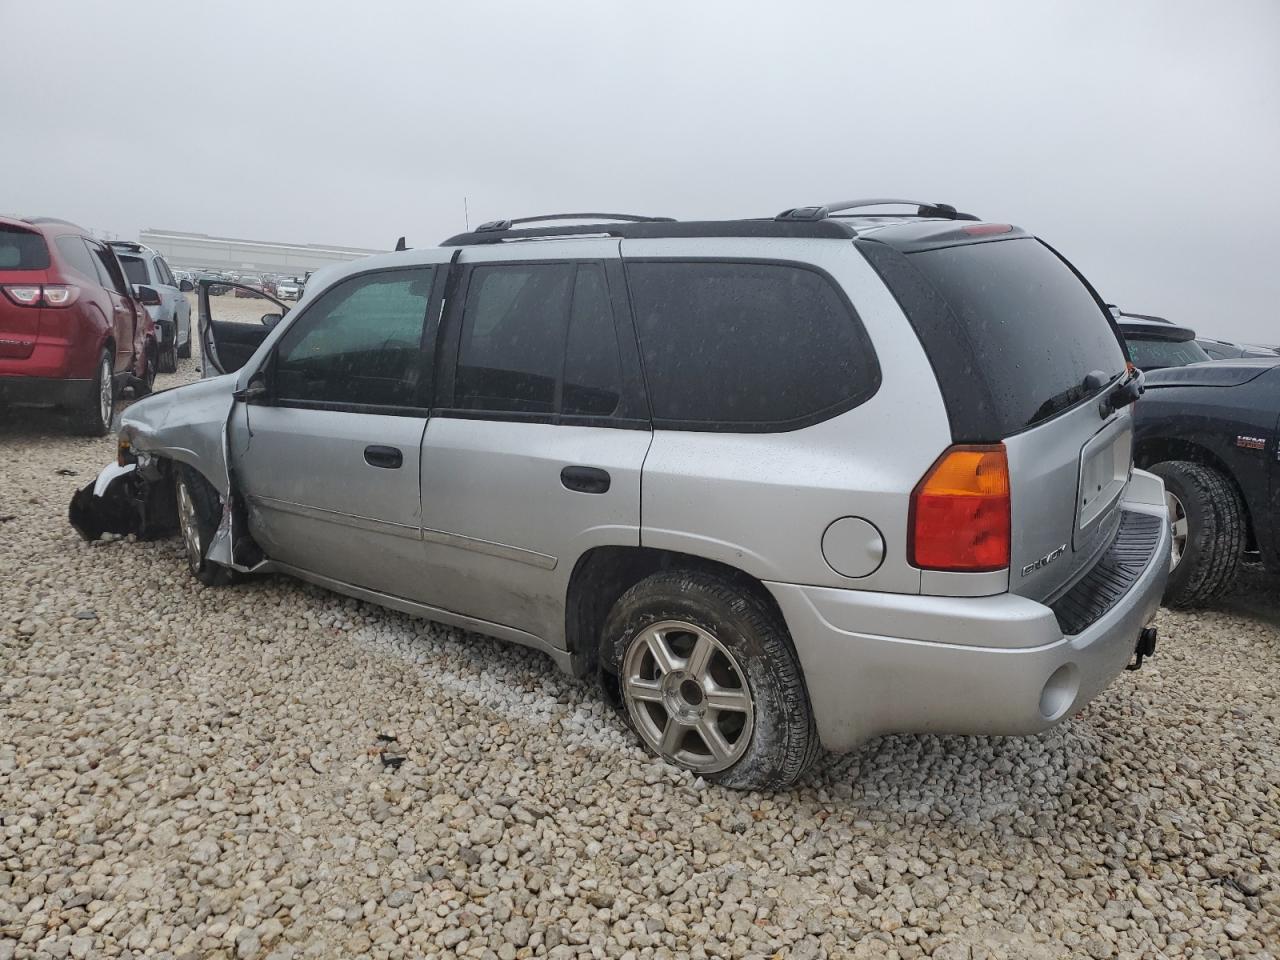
x: 188, y: 772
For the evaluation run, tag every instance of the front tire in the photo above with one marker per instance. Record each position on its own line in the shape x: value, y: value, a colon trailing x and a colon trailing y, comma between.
x: 184, y: 349
x: 1207, y: 520
x: 168, y: 362
x: 710, y: 680
x: 199, y: 511
x: 147, y: 382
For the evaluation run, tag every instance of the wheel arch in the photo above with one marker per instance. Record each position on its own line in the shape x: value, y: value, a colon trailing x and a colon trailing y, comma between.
x: 604, y: 573
x: 1162, y: 449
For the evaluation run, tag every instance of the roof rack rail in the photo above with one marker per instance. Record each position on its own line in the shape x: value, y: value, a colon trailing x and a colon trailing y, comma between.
x: 943, y: 211
x: 664, y: 229
x: 493, y: 226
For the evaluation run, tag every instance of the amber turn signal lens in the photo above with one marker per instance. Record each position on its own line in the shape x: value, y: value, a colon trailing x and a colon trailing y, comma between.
x: 959, y: 517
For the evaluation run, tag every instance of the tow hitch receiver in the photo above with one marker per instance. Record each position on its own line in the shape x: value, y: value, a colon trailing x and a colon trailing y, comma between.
x: 1146, y: 647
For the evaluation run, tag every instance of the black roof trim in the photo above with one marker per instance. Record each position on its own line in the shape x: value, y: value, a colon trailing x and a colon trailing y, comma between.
x: 666, y: 229
x: 942, y: 211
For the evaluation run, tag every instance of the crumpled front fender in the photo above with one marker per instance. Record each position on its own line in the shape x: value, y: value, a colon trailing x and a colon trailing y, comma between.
x: 186, y: 425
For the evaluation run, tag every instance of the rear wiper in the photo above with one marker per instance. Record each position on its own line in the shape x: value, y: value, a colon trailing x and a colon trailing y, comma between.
x: 1093, y: 381
x: 1124, y: 393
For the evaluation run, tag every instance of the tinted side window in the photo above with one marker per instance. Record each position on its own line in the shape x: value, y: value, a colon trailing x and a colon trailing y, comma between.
x: 747, y: 343
x: 513, y: 326
x: 162, y: 273
x: 109, y: 271
x: 77, y: 256
x: 135, y: 268
x: 592, y: 366
x: 360, y: 343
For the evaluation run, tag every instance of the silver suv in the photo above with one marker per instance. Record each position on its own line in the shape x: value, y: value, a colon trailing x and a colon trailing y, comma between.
x: 172, y: 315
x: 779, y: 483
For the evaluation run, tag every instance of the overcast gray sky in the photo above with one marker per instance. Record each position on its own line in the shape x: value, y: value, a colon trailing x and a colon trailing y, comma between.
x: 1140, y: 138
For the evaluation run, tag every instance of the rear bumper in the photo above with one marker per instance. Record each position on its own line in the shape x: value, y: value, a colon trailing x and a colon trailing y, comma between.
x: 46, y: 392
x: 878, y: 663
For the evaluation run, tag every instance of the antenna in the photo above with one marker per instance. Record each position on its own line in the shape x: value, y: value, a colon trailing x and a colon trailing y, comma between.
x: 466, y: 213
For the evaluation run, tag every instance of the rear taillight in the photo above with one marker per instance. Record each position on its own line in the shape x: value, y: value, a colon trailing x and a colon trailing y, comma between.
x: 24, y: 295
x: 42, y: 294
x: 60, y: 294
x: 960, y: 511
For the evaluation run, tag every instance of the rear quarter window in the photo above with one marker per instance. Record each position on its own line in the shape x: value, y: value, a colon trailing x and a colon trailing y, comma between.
x: 22, y: 249
x: 746, y: 345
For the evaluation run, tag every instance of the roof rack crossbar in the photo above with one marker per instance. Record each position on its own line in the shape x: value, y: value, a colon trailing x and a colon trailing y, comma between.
x: 494, y: 226
x: 944, y: 211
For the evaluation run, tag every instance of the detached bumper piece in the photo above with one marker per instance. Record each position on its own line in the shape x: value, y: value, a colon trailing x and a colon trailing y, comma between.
x: 125, y: 499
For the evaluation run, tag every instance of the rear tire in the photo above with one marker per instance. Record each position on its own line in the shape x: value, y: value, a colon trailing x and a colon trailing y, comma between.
x: 199, y: 512
x: 710, y: 680
x: 1208, y: 521
x: 93, y: 419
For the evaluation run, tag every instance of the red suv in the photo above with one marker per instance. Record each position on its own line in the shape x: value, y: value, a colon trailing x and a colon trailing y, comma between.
x: 73, y: 332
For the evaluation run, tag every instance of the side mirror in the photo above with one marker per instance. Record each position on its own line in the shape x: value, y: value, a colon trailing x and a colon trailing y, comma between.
x: 254, y: 390
x: 269, y: 320
x: 147, y: 295
x: 186, y: 286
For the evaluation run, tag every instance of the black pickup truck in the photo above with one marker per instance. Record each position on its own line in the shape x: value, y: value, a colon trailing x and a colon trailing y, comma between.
x: 1212, y: 432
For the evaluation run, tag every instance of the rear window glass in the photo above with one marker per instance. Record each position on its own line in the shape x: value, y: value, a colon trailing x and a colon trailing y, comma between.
x: 747, y: 344
x: 134, y: 268
x: 22, y: 250
x: 1034, y: 330
x: 1153, y: 354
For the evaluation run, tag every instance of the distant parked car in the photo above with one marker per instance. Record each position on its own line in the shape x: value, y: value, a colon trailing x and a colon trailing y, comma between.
x: 1227, y: 350
x: 245, y: 286
x: 73, y: 331
x: 288, y: 290
x: 144, y: 266
x: 216, y: 289
x: 1155, y: 343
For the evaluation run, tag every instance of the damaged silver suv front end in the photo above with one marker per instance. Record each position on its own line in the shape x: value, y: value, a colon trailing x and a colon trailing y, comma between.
x: 135, y: 495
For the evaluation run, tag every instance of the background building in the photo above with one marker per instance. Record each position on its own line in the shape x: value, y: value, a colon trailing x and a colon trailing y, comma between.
x: 199, y: 251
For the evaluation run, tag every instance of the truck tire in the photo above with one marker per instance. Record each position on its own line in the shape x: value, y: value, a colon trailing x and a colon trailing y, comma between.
x: 184, y: 348
x: 710, y: 680
x: 1209, y: 532
x: 93, y: 418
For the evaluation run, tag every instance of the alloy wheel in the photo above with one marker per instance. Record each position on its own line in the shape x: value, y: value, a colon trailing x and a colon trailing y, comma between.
x: 190, y: 527
x: 1177, y: 527
x: 106, y: 395
x: 687, y: 696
